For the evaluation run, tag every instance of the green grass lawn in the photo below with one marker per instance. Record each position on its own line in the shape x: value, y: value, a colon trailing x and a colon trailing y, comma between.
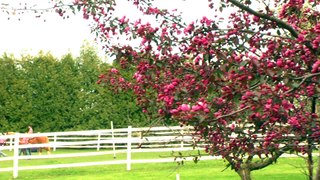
x: 285, y: 168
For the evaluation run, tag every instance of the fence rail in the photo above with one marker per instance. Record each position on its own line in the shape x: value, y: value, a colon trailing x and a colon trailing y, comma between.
x: 124, y: 140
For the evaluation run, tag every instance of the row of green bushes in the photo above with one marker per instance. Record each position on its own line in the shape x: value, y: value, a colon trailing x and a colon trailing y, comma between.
x: 53, y: 94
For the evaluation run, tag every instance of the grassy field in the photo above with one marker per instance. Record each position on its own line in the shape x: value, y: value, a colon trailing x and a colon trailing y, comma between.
x: 284, y: 169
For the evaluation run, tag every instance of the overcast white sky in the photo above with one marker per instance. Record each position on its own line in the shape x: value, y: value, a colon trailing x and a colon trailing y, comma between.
x: 60, y: 36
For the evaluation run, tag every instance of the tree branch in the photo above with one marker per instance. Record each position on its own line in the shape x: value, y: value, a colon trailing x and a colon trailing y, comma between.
x: 279, y: 22
x: 33, y: 8
x: 265, y: 16
x: 231, y: 163
x: 304, y: 78
x: 268, y: 161
x: 232, y: 113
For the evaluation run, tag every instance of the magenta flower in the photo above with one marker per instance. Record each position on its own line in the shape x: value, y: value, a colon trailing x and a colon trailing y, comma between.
x: 113, y: 70
x: 294, y: 122
x: 174, y: 111
x: 185, y: 107
x: 196, y: 108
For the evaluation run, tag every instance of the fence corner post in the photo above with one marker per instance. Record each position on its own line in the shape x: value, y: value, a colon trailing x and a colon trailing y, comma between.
x: 129, y: 148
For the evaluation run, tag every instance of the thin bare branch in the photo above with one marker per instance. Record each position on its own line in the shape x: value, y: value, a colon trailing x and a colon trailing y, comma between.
x: 232, y: 113
x: 304, y: 78
x: 266, y: 16
x: 280, y: 23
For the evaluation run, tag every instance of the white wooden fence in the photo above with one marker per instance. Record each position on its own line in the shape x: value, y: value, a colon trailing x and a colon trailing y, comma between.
x: 124, y: 140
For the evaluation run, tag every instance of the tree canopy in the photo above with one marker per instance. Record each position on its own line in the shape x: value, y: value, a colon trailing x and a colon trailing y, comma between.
x: 248, y: 83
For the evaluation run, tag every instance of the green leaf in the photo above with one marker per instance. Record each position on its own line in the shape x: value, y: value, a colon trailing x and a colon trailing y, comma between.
x: 295, y: 84
x: 243, y: 63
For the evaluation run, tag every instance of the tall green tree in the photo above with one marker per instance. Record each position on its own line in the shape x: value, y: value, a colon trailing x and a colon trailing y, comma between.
x: 14, y: 105
x: 62, y: 94
x: 102, y: 105
x: 45, y: 79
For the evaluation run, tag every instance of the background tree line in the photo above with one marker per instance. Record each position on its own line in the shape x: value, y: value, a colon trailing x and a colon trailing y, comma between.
x: 62, y: 94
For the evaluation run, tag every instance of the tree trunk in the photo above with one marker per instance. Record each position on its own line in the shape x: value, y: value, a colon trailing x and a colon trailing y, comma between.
x: 310, y: 161
x: 244, y: 173
x: 310, y: 141
x: 317, y: 177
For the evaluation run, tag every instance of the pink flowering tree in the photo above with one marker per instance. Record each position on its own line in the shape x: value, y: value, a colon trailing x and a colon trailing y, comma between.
x: 249, y: 88
x: 248, y: 82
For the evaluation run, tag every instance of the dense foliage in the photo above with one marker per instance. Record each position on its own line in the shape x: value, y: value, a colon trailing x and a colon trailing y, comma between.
x: 61, y: 94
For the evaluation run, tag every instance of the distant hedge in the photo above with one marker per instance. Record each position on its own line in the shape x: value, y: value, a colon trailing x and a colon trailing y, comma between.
x: 53, y: 94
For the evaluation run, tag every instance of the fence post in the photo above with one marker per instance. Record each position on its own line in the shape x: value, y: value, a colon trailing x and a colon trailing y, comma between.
x: 129, y: 148
x: 54, y: 142
x: 99, y: 137
x: 177, y: 176
x: 113, y: 144
x: 181, y: 138
x: 141, y: 137
x: 16, y: 156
